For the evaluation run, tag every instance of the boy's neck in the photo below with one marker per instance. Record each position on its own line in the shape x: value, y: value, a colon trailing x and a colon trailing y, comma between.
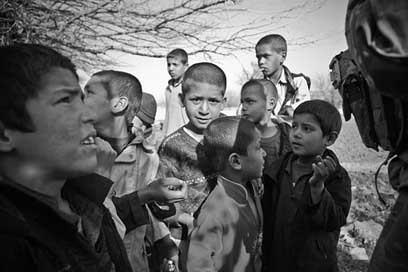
x: 196, y: 132
x: 32, y: 176
x: 275, y: 77
x: 176, y: 82
x: 115, y: 129
x: 308, y: 160
x: 267, y: 128
x: 234, y: 176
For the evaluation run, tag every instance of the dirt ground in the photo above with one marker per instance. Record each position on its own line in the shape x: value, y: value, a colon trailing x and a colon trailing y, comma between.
x: 361, y: 164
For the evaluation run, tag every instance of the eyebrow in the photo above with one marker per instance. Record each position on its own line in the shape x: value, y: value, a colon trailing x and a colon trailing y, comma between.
x: 70, y: 91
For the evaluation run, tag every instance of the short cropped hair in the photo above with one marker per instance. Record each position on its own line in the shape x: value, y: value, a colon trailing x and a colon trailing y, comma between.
x: 118, y: 83
x: 254, y: 82
x: 204, y: 72
x: 226, y: 135
x: 277, y: 42
x: 22, y: 67
x: 269, y: 88
x: 325, y: 113
x: 179, y: 54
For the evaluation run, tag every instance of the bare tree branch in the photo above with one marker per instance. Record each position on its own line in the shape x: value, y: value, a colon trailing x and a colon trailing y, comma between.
x: 87, y: 30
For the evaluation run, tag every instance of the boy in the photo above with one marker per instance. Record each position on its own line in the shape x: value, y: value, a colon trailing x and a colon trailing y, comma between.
x: 307, y: 195
x: 258, y: 100
x: 177, y: 64
x: 228, y: 230
x: 48, y: 222
x: 202, y: 95
x: 293, y: 89
x: 120, y: 106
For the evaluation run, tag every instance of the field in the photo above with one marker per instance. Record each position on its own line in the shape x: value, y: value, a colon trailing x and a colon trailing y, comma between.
x: 367, y: 214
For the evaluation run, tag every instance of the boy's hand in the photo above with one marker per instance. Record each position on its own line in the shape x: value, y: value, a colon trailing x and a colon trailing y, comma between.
x: 187, y: 220
x: 105, y: 156
x: 168, y: 190
x: 322, y: 169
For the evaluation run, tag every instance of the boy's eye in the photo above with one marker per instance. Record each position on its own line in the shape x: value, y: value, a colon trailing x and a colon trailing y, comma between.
x: 213, y: 101
x: 65, y: 99
x: 307, y: 128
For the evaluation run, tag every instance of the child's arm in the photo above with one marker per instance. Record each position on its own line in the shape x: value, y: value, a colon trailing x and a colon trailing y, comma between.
x: 329, y: 199
x: 205, y: 245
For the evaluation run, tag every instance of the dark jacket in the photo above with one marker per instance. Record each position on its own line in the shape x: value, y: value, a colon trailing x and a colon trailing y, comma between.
x: 34, y: 237
x: 300, y: 236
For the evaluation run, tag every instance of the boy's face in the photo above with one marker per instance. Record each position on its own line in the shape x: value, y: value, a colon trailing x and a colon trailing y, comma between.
x: 203, y: 103
x: 96, y: 98
x: 176, y: 68
x: 253, y: 162
x: 306, y: 136
x: 63, y: 143
x: 269, y: 61
x: 253, y: 103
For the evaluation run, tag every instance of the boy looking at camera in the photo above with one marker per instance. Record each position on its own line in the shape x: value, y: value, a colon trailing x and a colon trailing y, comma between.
x: 177, y: 64
x: 203, y: 91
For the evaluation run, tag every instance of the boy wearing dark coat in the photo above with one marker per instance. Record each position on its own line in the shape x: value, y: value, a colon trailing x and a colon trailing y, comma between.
x: 307, y: 195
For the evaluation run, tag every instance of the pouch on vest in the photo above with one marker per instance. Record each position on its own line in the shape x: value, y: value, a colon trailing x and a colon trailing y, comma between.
x: 379, y: 119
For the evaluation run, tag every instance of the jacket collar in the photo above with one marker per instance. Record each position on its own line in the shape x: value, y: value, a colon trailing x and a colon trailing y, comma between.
x: 236, y: 191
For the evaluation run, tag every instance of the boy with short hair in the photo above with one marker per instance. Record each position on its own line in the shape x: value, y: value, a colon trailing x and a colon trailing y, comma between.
x: 307, y: 195
x: 293, y: 89
x: 203, y: 91
x: 258, y: 100
x: 228, y: 230
x: 123, y: 112
x: 51, y: 206
x: 175, y: 117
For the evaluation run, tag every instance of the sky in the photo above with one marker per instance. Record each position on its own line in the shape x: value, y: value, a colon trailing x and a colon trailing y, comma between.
x: 325, y: 26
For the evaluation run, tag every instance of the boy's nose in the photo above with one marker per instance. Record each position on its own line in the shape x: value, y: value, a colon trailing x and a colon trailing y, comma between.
x: 88, y: 115
x: 204, y: 107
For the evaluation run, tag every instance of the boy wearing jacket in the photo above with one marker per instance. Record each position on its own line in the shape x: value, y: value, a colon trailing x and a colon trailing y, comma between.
x: 307, y: 195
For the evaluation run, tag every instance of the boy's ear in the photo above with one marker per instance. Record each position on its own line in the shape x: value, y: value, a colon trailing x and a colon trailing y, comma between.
x: 331, y: 138
x: 283, y: 57
x: 224, y: 101
x: 119, y: 104
x: 234, y: 161
x: 271, y: 104
x: 181, y: 99
x: 6, y: 139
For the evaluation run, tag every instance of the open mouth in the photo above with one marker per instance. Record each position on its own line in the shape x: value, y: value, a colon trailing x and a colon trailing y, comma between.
x: 296, y: 144
x: 90, y: 140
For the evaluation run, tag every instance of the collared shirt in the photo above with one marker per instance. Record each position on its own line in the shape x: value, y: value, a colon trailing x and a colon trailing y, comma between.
x: 302, y: 93
x: 176, y: 116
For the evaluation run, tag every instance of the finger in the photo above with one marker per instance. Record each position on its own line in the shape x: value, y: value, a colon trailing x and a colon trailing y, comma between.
x: 330, y: 163
x: 172, y: 181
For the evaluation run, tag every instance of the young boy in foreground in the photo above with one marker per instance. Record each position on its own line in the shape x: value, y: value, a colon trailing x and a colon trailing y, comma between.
x: 307, y: 195
x: 203, y: 91
x: 227, y: 233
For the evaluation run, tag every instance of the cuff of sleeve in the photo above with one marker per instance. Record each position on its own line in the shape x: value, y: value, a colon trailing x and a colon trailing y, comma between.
x: 130, y: 210
x: 313, y: 207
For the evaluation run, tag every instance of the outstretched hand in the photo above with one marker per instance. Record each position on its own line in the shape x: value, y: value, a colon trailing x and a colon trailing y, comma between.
x: 169, y: 190
x: 322, y: 169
